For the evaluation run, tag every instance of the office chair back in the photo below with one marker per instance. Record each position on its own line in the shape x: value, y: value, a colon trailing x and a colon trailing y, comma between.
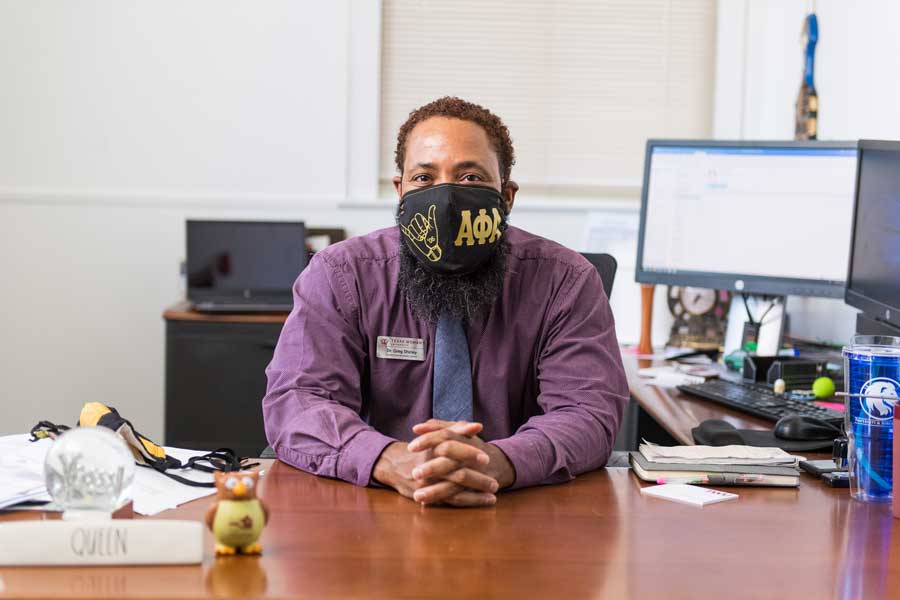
x: 606, y: 266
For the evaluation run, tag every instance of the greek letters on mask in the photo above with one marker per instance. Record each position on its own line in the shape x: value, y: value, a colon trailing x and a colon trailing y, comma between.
x: 484, y: 229
x: 452, y: 228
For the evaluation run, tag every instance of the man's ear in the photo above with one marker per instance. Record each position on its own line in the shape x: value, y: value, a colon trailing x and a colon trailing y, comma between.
x: 509, y: 194
x: 398, y: 183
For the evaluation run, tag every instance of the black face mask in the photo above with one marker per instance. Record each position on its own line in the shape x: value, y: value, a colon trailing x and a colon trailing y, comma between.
x: 451, y: 228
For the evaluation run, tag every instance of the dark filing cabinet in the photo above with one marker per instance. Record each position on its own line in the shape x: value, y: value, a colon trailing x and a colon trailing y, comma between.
x: 215, y: 378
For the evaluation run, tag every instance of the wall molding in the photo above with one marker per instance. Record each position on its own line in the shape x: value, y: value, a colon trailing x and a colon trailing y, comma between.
x: 249, y: 200
x: 533, y: 204
x: 164, y: 199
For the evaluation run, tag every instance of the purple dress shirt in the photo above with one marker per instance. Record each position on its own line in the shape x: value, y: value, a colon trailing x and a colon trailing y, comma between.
x: 548, y: 381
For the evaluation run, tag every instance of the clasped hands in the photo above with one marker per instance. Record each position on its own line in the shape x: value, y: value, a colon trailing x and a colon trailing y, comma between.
x: 446, y: 464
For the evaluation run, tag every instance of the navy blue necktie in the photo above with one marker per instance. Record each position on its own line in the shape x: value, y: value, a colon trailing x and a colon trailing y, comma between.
x: 452, y: 391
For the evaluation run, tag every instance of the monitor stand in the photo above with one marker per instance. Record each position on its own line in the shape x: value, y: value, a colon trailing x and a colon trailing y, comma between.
x: 866, y: 325
x: 771, y: 329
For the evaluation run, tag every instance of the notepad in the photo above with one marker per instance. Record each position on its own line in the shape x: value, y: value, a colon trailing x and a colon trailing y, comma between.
x: 687, y: 494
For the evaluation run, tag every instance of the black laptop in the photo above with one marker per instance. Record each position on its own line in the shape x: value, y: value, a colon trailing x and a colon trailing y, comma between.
x: 244, y: 266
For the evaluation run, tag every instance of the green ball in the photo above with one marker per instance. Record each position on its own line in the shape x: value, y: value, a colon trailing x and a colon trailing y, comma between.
x: 823, y: 387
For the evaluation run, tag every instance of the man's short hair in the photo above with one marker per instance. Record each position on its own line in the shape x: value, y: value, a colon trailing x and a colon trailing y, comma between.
x: 457, y: 108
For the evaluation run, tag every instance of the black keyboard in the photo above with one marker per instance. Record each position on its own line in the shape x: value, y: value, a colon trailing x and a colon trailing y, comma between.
x: 757, y: 400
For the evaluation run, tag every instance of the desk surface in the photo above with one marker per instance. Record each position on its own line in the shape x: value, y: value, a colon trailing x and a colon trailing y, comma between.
x: 676, y: 412
x: 594, y: 537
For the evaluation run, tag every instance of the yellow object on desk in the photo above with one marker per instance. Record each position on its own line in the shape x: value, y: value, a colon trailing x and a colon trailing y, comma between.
x: 238, y: 516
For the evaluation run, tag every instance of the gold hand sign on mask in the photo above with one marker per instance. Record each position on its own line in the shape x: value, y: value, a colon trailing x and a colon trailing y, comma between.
x: 423, y: 233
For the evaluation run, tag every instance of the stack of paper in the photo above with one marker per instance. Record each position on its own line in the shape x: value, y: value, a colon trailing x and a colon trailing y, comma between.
x: 22, y: 477
x: 21, y: 470
x: 718, y: 455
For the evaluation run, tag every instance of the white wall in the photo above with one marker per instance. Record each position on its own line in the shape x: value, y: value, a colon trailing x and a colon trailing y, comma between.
x: 758, y: 75
x: 120, y: 120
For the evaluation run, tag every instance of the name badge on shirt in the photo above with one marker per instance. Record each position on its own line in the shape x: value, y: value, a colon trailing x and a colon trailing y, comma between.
x: 399, y: 348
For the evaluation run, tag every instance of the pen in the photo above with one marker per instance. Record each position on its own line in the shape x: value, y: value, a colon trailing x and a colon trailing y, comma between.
x: 723, y: 479
x: 846, y: 395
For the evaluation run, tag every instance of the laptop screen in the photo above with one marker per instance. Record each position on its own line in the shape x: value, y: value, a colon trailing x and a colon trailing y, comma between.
x: 240, y: 259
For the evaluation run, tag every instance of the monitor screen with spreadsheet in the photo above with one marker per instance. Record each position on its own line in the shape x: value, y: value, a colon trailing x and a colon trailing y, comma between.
x: 755, y: 217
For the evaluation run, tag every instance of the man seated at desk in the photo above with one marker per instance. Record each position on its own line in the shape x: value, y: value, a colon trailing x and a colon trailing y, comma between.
x: 451, y: 356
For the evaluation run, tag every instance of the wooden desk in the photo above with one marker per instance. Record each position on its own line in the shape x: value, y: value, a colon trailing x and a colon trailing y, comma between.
x: 676, y: 412
x: 595, y: 537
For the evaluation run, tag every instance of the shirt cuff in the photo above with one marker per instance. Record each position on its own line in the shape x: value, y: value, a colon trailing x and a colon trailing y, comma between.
x: 357, y: 458
x: 531, y: 455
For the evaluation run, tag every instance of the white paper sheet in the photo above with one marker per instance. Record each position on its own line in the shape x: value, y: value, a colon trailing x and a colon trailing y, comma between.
x: 154, y: 492
x: 22, y: 475
x: 21, y: 469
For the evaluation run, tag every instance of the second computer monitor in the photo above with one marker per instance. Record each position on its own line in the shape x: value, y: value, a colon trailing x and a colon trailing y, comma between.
x: 873, y: 284
x: 755, y: 217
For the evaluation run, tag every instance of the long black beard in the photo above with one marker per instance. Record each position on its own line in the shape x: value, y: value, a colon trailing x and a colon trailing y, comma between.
x: 465, y: 297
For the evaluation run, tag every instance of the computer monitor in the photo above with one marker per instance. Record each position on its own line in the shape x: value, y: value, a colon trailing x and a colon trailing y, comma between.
x: 244, y: 261
x: 873, y: 280
x: 753, y: 217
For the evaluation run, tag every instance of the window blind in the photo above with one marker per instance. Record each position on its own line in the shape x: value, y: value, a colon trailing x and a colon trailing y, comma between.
x: 580, y: 84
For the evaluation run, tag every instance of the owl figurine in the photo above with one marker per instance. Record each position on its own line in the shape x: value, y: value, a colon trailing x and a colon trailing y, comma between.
x: 237, y: 517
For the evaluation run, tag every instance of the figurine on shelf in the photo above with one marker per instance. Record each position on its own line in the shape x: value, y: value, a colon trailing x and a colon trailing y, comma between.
x: 237, y: 517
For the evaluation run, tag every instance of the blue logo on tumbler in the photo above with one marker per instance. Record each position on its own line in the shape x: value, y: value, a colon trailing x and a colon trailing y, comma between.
x: 879, y: 408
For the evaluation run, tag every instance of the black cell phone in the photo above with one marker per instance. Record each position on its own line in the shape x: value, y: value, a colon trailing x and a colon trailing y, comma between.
x: 819, y: 467
x: 750, y: 333
x: 838, y: 479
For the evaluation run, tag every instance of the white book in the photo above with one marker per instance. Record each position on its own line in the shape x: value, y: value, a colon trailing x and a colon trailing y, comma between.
x: 687, y: 494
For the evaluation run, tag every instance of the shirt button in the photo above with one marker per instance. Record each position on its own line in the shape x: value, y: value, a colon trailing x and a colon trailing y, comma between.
x: 313, y: 466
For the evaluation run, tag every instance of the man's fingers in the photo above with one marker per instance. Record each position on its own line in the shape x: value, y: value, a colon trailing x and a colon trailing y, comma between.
x: 436, y: 493
x: 436, y: 468
x: 463, y: 453
x: 467, y: 428
x: 437, y: 423
x: 429, y: 440
x: 474, y: 480
x: 427, y: 427
x: 471, y: 499
x: 450, y: 493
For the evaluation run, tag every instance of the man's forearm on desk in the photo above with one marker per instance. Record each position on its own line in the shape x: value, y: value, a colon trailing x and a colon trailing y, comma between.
x: 555, y: 447
x: 298, y: 441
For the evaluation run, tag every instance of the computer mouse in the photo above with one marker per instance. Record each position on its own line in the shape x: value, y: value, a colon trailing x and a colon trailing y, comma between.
x: 804, y: 428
